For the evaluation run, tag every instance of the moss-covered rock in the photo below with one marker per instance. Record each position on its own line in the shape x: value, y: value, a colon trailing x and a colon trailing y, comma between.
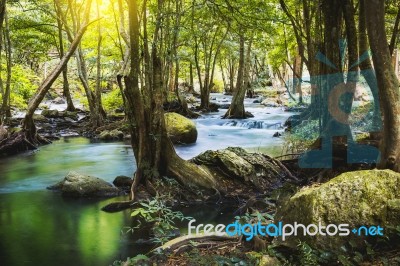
x: 50, y: 113
x: 111, y: 135
x: 58, y: 114
x: 69, y: 114
x: 39, y: 118
x: 78, y: 185
x: 180, y: 129
x: 269, y: 261
x: 360, y: 198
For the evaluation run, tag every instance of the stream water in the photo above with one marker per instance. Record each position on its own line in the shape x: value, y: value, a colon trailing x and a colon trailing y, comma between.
x: 39, y: 227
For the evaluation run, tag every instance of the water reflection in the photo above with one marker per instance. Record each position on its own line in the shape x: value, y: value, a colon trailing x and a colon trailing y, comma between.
x: 41, y: 228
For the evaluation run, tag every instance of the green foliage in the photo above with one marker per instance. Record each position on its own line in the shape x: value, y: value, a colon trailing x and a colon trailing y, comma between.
x: 307, y: 255
x: 160, y: 216
x: 254, y: 217
x: 137, y: 260
x: 24, y: 84
x: 218, y: 86
x: 171, y: 96
x: 112, y: 100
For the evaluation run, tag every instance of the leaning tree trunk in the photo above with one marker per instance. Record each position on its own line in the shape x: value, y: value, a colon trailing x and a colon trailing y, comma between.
x: 28, y: 137
x: 387, y: 83
x: 28, y: 124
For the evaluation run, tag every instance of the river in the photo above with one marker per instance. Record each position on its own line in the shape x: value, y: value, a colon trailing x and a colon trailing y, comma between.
x: 39, y: 227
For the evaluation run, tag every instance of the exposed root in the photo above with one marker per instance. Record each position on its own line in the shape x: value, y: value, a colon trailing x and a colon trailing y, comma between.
x: 181, y: 244
x: 118, y: 206
x: 20, y: 142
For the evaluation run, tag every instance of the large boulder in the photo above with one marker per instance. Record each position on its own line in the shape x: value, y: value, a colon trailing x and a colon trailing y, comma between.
x: 360, y: 198
x: 180, y: 129
x: 79, y: 185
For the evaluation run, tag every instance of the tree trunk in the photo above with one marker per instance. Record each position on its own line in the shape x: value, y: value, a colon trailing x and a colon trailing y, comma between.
x: 98, y: 90
x: 211, y: 53
x: 236, y: 109
x: 191, y: 79
x: 7, y: 93
x: 66, y: 89
x: 95, y: 117
x: 387, y: 83
x: 3, y: 4
x: 154, y: 152
x: 395, y: 32
x: 247, y: 71
x: 232, y: 74
x: 297, y: 76
x: 367, y: 70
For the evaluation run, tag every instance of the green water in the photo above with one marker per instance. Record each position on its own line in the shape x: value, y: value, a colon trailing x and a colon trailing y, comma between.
x: 40, y: 227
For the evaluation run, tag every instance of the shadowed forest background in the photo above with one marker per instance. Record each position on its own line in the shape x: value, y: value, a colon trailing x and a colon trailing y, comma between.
x: 122, y: 120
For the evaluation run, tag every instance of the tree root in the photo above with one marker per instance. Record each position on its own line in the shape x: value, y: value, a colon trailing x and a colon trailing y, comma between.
x: 118, y: 206
x: 20, y: 142
x: 180, y: 244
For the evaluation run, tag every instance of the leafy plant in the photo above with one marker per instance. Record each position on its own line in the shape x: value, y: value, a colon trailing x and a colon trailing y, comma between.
x: 162, y: 218
x: 137, y: 260
x: 307, y: 255
x: 112, y: 100
x: 24, y: 83
x: 218, y: 86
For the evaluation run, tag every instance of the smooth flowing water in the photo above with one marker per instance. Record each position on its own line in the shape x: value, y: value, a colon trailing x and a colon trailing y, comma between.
x: 39, y: 227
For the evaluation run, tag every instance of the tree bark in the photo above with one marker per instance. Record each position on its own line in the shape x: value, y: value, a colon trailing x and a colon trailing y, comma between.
x: 3, y: 4
x: 297, y: 76
x: 66, y: 89
x: 366, y: 68
x: 191, y: 79
x: 236, y: 109
x: 7, y: 93
x: 395, y: 32
x: 98, y: 90
x: 387, y: 83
